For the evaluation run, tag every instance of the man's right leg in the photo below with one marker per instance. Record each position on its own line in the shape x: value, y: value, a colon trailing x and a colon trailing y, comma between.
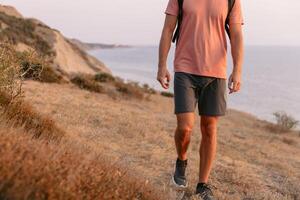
x: 185, y: 123
x: 185, y: 103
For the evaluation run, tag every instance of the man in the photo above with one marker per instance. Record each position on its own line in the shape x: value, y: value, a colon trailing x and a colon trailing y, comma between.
x: 200, y: 76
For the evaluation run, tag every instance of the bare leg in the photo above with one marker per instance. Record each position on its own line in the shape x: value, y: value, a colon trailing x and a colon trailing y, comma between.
x: 208, y: 146
x: 185, y: 123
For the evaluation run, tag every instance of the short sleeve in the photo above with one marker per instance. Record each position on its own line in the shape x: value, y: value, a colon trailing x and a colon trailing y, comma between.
x: 236, y: 15
x: 172, y: 8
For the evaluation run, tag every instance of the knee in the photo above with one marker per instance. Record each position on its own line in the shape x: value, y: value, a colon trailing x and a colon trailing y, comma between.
x: 209, y: 127
x: 184, y: 131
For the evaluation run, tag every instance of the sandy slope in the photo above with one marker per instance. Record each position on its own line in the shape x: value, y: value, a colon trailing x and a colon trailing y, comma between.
x: 252, y: 162
x: 9, y: 10
x: 68, y: 57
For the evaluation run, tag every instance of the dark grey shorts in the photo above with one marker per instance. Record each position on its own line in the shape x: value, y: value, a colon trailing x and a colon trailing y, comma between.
x: 208, y: 92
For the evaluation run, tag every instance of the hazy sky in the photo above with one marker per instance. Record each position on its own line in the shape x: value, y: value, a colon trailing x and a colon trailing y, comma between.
x: 267, y: 22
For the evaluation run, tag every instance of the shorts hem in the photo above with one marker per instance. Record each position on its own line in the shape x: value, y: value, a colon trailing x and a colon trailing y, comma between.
x: 212, y: 114
x: 181, y: 112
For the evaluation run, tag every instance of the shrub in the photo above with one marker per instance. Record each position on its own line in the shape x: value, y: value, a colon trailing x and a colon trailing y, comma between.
x: 13, y: 109
x: 130, y: 89
x: 87, y: 82
x: 284, y: 121
x: 50, y: 75
x: 148, y: 89
x: 167, y: 94
x: 31, y: 65
x: 10, y: 72
x: 104, y: 77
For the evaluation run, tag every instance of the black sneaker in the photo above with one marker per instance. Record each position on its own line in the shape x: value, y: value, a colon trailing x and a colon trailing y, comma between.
x: 179, y: 178
x: 204, y: 191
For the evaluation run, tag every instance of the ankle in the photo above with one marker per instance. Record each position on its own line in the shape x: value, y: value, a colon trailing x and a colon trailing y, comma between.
x: 180, y: 161
x: 201, y: 184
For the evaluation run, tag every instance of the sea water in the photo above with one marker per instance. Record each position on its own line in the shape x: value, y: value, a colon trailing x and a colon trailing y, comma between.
x: 270, y: 76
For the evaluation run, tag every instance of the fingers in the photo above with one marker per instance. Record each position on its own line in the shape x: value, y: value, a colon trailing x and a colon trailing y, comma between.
x: 163, y: 83
x: 230, y: 82
x: 164, y: 78
x: 234, y: 87
x: 168, y: 76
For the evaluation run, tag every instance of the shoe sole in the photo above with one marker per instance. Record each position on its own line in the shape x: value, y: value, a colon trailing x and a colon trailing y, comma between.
x: 179, y: 186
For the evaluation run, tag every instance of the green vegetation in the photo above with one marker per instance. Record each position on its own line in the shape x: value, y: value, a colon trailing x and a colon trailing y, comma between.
x: 148, y: 89
x: 23, y: 160
x: 10, y: 72
x: 104, y: 77
x: 87, y: 82
x: 37, y: 68
x: 24, y: 31
x: 167, y: 94
x: 13, y: 109
x: 284, y: 121
x: 130, y: 89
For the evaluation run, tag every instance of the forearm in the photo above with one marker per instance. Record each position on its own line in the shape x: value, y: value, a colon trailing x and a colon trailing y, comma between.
x: 237, y: 51
x: 164, y: 47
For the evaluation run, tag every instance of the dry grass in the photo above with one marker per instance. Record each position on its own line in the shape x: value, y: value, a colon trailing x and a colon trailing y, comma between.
x: 115, y: 87
x: 55, y: 167
x: 14, y: 110
x: 130, y: 89
x: 21, y: 114
x: 32, y: 169
x: 252, y: 163
x: 51, y: 75
x: 87, y: 82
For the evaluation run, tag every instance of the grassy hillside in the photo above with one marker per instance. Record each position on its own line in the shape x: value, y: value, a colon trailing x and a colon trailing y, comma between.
x: 252, y: 162
x: 94, y: 136
x: 32, y: 35
x: 40, y: 161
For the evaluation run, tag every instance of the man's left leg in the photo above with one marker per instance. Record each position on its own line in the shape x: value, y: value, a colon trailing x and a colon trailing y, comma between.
x: 208, y: 146
x: 207, y: 153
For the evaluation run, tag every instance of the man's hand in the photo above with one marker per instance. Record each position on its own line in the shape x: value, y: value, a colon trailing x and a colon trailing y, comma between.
x: 234, y: 82
x: 163, y: 76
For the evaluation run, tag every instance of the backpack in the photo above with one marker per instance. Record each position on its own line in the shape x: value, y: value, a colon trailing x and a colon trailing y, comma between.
x: 180, y: 16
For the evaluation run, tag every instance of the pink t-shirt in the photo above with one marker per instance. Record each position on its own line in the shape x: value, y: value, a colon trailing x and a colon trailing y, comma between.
x: 202, y: 46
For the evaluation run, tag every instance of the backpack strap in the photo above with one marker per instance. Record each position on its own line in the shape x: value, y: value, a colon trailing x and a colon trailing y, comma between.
x: 230, y: 7
x: 179, y: 21
x: 180, y: 16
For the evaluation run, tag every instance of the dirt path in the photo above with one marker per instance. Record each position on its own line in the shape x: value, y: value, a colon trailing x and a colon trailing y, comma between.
x: 252, y: 163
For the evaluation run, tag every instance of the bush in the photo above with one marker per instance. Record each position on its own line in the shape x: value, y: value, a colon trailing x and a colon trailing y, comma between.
x: 50, y: 75
x: 87, y: 82
x: 104, y: 77
x: 167, y: 94
x: 284, y: 121
x: 10, y: 72
x: 35, y: 67
x: 31, y: 65
x: 13, y: 109
x: 148, y: 89
x: 130, y: 89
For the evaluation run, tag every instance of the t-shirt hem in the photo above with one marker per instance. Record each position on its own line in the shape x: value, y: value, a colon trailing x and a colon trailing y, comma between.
x: 209, y: 74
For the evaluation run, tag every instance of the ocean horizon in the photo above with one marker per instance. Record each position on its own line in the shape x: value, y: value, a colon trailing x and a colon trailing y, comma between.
x: 270, y: 80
